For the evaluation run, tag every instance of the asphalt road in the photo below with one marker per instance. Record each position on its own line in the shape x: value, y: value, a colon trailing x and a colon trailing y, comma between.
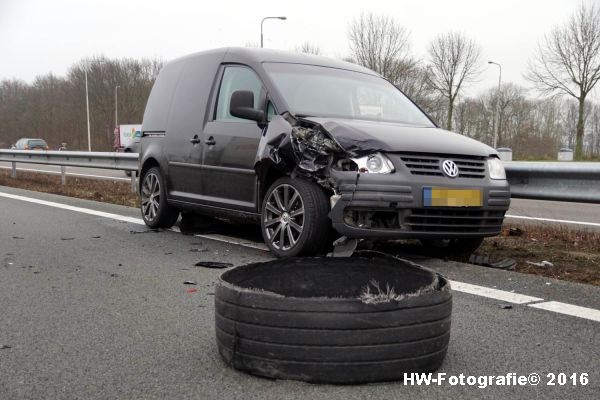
x: 95, y: 307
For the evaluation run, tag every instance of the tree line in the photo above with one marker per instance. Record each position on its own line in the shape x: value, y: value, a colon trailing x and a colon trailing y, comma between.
x: 54, y: 108
x: 535, y: 122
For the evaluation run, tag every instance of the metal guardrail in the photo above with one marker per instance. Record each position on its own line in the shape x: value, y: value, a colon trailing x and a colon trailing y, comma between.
x: 562, y: 181
x: 101, y: 160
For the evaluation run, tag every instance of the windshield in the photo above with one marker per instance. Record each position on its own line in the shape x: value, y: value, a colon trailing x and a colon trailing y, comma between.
x: 330, y: 92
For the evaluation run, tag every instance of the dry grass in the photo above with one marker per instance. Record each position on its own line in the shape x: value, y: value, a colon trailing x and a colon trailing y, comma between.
x: 575, y: 254
x: 99, y: 190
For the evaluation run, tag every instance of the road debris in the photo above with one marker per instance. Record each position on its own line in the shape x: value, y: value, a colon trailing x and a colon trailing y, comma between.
x: 508, y: 264
x: 67, y: 238
x: 506, y: 306
x: 189, y: 283
x: 515, y: 232
x: 213, y: 264
x: 197, y: 250
x: 543, y: 263
x: 18, y: 237
x: 4, y: 346
x: 191, y: 290
x: 146, y: 231
x: 343, y: 247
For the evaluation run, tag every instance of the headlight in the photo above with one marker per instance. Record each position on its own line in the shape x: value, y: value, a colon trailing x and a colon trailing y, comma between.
x: 496, y: 169
x: 375, y: 164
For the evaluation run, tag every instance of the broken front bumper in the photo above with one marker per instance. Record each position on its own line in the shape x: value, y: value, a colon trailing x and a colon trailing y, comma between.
x: 392, y: 206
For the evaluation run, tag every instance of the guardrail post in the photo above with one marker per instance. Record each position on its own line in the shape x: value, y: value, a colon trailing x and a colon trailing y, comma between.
x: 63, y: 175
x: 133, y: 182
x: 13, y: 172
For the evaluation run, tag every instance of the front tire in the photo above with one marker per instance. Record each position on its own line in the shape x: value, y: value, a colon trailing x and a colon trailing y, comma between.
x: 294, y: 218
x: 156, y: 212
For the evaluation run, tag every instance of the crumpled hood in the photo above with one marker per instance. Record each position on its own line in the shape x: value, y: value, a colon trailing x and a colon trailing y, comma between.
x: 361, y: 136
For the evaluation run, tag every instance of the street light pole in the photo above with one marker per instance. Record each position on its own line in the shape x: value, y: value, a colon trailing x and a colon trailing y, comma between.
x: 261, y: 27
x: 87, y: 107
x: 116, y: 106
x: 497, y: 130
x: 87, y: 100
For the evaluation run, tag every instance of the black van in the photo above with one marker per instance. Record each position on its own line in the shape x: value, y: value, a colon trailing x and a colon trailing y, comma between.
x: 302, y: 144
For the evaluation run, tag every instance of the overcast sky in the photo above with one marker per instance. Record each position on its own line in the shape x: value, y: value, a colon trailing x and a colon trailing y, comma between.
x: 38, y: 37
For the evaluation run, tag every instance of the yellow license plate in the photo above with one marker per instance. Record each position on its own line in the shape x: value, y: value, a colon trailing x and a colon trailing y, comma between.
x: 444, y: 197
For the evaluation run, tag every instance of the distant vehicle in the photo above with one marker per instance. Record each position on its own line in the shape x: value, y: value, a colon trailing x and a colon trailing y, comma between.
x: 305, y: 145
x: 31, y: 144
x: 127, y: 139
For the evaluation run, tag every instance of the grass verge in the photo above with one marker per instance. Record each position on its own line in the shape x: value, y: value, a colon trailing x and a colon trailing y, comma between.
x: 575, y: 254
x: 90, y: 189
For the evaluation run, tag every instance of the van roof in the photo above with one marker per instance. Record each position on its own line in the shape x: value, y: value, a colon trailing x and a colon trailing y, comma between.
x: 255, y: 55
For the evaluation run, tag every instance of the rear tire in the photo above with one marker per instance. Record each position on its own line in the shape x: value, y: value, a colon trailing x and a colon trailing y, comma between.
x: 294, y: 219
x: 156, y: 212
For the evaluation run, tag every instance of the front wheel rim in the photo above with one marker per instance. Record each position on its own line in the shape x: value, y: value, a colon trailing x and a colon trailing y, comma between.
x: 283, y: 219
x: 150, y: 196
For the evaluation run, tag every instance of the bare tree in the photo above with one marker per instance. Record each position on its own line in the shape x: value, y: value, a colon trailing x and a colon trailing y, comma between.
x: 309, y: 48
x: 454, y: 61
x: 568, y: 62
x: 380, y: 43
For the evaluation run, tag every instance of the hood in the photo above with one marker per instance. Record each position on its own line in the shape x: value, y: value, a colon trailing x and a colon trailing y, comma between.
x: 360, y: 136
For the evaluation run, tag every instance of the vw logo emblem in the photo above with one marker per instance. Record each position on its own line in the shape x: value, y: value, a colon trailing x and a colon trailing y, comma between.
x: 449, y: 168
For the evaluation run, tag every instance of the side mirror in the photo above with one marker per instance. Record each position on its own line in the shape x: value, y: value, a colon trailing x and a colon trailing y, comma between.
x: 241, y: 105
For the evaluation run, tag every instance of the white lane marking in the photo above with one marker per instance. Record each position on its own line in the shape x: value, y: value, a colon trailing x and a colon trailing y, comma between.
x: 496, y: 294
x: 569, y: 309
x: 516, y: 298
x: 236, y: 241
x: 103, y: 214
x: 561, y: 221
x: 116, y: 178
x: 138, y: 221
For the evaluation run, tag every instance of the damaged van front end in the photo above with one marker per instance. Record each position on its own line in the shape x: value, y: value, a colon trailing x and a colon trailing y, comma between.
x: 416, y: 183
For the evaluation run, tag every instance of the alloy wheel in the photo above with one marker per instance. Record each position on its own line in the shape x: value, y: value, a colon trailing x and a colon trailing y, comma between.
x: 150, y: 196
x: 284, y: 217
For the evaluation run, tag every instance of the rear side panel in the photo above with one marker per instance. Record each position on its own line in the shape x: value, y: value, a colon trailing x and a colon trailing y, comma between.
x: 186, y: 121
x: 156, y: 115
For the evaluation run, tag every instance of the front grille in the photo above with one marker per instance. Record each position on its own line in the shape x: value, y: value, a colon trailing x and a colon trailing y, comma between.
x: 453, y: 220
x: 423, y: 164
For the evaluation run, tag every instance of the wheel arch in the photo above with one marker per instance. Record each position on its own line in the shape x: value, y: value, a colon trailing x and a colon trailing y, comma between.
x: 266, y: 173
x: 148, y: 163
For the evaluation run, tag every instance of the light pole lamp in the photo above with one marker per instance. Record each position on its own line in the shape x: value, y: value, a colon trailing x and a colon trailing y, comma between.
x: 87, y: 99
x: 261, y: 27
x: 116, y: 106
x: 497, y: 130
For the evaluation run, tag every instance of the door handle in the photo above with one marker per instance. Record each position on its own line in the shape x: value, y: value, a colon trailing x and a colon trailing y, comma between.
x: 210, y: 141
x: 195, y: 139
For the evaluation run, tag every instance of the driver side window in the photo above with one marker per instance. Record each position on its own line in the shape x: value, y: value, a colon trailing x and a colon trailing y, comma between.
x: 236, y: 78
